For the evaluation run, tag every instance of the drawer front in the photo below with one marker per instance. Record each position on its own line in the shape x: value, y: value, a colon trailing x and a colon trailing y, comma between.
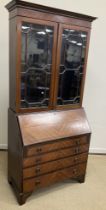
x: 39, y: 149
x: 54, y: 165
x: 46, y: 180
x: 36, y: 160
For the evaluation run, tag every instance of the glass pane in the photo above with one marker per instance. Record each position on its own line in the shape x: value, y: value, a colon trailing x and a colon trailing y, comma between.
x: 71, y: 66
x: 36, y: 63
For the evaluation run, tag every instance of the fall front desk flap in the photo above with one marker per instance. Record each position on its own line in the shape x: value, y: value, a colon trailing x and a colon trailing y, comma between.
x: 46, y: 126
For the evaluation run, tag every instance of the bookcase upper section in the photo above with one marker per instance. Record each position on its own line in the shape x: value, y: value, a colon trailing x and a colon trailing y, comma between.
x: 48, y: 57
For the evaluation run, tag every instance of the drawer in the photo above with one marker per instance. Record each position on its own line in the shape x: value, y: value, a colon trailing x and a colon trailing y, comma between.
x: 36, y: 160
x: 48, y: 147
x: 48, y: 179
x: 54, y: 165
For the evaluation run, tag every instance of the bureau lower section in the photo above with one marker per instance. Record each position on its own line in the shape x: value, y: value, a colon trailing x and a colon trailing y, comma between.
x: 52, y: 163
x: 47, y: 179
x: 46, y: 162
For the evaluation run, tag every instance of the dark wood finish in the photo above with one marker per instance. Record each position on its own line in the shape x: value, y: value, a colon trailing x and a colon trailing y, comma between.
x: 50, y: 146
x: 53, y: 160
x: 49, y: 17
x: 17, y: 3
x: 15, y: 155
x: 54, y: 125
x: 12, y: 63
x: 53, y: 165
x: 24, y: 11
x: 58, y: 154
x: 46, y: 180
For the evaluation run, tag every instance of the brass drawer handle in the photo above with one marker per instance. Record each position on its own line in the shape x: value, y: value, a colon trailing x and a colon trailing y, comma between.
x: 39, y: 149
x: 77, y: 142
x: 77, y: 150
x: 37, y: 170
x: 76, y: 159
x: 37, y: 182
x: 74, y: 171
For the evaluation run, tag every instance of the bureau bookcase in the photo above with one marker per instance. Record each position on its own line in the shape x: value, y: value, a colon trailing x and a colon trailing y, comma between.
x: 48, y: 132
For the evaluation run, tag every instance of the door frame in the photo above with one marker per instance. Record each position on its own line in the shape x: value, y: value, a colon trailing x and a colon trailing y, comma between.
x: 18, y: 64
x: 61, y: 28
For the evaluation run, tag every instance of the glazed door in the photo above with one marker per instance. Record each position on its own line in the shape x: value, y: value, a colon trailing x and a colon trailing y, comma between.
x: 71, y: 62
x: 37, y: 64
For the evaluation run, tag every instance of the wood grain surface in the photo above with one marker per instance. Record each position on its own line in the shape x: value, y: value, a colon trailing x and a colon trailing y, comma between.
x: 55, y: 145
x: 48, y: 179
x: 54, y: 165
x: 46, y: 126
x: 34, y: 160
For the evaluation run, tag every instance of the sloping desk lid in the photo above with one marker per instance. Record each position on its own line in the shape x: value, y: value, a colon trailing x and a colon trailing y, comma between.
x: 52, y: 125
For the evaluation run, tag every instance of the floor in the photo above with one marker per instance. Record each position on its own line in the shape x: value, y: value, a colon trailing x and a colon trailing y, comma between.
x: 90, y: 195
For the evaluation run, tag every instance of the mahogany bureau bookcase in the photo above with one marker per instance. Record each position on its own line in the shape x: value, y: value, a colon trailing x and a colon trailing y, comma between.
x: 48, y: 132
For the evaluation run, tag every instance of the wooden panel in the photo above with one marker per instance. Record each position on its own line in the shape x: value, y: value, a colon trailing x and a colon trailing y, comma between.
x: 53, y: 124
x: 50, y: 17
x: 54, y: 165
x: 12, y: 63
x: 65, y: 143
x: 46, y: 180
x: 14, y: 151
x: 54, y: 155
x: 37, y: 7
